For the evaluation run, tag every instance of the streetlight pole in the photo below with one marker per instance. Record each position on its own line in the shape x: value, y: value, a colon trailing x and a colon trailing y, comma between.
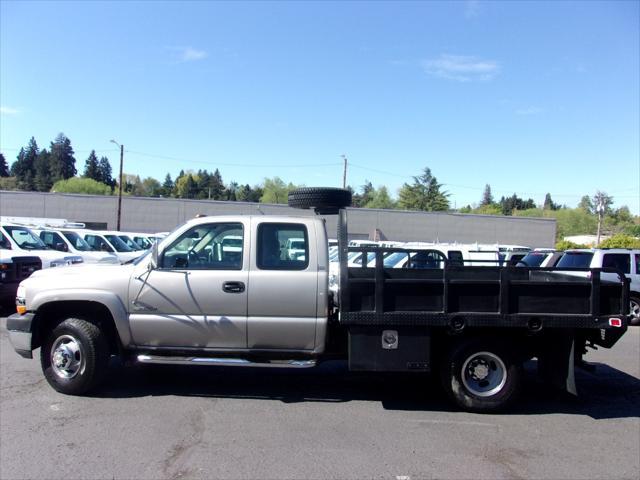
x: 119, y: 184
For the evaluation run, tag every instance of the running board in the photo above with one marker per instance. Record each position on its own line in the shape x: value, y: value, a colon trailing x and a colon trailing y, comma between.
x: 224, y: 362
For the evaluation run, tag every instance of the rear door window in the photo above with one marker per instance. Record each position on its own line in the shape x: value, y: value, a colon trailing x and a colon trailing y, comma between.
x: 619, y: 261
x: 282, y: 246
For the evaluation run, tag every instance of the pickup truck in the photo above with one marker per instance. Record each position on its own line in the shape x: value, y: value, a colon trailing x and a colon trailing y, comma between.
x: 190, y: 302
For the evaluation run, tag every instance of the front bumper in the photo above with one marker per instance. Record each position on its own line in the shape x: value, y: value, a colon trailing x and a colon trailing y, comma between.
x: 20, y: 333
x: 8, y: 292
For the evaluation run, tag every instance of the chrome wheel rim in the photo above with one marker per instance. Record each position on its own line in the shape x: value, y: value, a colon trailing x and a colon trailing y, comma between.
x: 634, y: 308
x: 484, y: 374
x: 67, y: 359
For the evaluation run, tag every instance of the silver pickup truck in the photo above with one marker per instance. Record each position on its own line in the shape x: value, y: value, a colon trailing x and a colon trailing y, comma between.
x: 225, y: 291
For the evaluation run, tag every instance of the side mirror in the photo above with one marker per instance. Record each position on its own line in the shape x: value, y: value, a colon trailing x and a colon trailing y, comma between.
x: 61, y: 247
x: 153, y: 260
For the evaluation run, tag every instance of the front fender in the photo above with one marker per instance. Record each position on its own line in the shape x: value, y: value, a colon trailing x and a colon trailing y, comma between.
x: 111, y: 301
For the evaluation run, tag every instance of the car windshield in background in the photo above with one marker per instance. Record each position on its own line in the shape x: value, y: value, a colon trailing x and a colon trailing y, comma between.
x: 533, y: 259
x: 25, y: 239
x: 77, y: 241
x: 575, y: 260
x: 129, y: 243
x: 143, y: 242
x: 118, y: 244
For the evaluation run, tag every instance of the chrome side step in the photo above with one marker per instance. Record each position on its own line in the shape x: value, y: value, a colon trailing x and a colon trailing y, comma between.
x: 224, y: 362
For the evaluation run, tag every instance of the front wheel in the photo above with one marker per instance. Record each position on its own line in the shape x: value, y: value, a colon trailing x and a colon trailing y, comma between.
x: 74, y: 357
x: 481, y: 375
x: 634, y: 310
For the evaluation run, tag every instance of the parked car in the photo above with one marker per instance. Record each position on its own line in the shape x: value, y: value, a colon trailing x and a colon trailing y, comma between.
x: 22, y: 241
x: 130, y: 242
x: 71, y: 242
x: 625, y: 260
x: 14, y: 269
x: 542, y: 259
x: 109, y: 242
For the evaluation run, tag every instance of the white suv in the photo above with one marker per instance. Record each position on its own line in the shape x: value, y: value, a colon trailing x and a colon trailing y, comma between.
x: 623, y: 259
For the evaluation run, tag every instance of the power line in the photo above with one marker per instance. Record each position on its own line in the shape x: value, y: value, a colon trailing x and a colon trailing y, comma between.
x: 234, y: 164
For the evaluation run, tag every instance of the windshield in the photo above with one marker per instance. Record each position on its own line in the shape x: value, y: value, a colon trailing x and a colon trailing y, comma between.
x: 130, y: 243
x: 25, y: 238
x: 575, y: 260
x: 297, y: 244
x: 118, y: 244
x: 395, y: 258
x: 77, y: 241
x: 143, y: 242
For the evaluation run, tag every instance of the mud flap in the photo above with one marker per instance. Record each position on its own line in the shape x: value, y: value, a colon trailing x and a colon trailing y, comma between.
x: 556, y: 362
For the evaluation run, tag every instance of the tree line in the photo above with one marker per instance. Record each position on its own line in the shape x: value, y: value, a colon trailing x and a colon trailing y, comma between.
x: 54, y: 169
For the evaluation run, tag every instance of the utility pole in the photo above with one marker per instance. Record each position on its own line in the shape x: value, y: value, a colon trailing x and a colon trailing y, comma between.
x: 344, y: 173
x: 119, y: 184
x: 600, y: 210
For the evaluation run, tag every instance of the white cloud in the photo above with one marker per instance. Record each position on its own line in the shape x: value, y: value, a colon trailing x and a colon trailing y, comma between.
x: 471, y: 8
x: 188, y: 54
x: 8, y: 110
x: 529, y: 111
x: 461, y: 68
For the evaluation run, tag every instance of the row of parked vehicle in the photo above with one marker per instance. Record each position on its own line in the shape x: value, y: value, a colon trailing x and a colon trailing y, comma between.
x: 29, y: 244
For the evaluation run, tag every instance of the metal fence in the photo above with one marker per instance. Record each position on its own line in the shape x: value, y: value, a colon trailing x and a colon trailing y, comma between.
x: 163, y: 214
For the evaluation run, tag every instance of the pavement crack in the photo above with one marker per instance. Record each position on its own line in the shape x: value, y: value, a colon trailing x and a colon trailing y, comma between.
x: 176, y: 461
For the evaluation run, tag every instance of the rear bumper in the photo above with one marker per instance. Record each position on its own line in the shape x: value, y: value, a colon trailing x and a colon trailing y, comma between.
x: 20, y: 333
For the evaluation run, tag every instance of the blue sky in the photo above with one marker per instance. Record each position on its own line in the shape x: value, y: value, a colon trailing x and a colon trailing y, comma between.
x: 530, y: 97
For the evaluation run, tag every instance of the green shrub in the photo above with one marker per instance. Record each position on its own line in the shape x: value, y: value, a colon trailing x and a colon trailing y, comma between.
x: 81, y: 185
x: 620, y: 241
x: 566, y: 245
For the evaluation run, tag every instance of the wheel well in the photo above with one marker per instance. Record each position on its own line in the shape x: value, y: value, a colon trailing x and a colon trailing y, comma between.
x: 51, y: 314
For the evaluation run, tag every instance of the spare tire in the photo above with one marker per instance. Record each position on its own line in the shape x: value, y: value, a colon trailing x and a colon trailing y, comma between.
x: 322, y: 199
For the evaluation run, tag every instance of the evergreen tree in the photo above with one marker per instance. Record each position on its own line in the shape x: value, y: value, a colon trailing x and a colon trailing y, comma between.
x: 230, y: 192
x: 24, y: 167
x: 217, y: 186
x: 548, y: 203
x: 190, y: 187
x: 42, y: 179
x: 167, y: 186
x: 361, y: 199
x: 92, y: 168
x: 204, y: 184
x: 4, y: 167
x: 63, y: 163
x: 104, y: 173
x: 509, y: 204
x: 424, y: 194
x: 487, y: 197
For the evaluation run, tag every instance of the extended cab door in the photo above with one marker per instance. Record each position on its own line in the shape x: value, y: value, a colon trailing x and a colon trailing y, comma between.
x: 197, y: 297
x: 284, y: 291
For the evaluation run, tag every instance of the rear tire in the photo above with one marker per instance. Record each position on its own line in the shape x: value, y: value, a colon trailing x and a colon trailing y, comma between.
x: 481, y: 375
x: 74, y: 356
x: 319, y: 198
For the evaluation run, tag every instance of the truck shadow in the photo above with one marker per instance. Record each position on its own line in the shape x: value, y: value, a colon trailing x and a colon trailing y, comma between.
x: 606, y: 393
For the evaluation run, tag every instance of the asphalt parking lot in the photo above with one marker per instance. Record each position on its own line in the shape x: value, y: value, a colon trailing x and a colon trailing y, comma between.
x: 205, y: 422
